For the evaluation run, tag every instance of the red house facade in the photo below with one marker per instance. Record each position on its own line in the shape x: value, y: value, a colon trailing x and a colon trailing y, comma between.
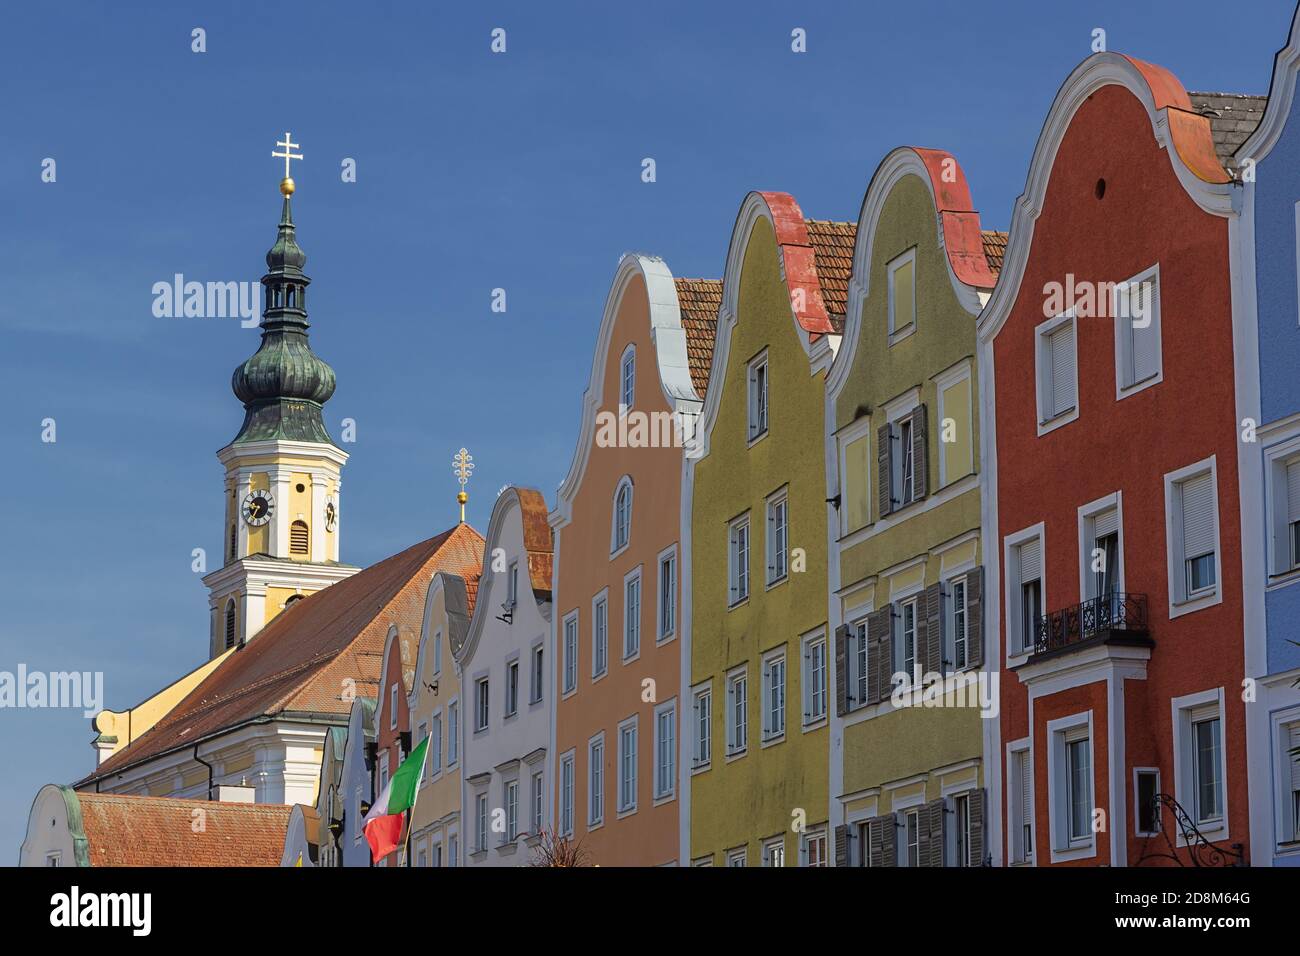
x: 1111, y: 512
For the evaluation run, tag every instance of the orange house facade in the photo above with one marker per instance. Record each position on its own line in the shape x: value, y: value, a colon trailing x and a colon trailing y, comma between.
x: 617, y: 569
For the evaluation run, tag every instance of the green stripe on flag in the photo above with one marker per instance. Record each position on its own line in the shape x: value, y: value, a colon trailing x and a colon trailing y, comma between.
x: 407, y: 778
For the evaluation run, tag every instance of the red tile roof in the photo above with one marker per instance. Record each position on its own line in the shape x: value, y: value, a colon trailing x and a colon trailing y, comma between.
x: 832, y: 244
x: 302, y: 660
x: 164, y: 831
x: 995, y: 248
x: 699, y: 300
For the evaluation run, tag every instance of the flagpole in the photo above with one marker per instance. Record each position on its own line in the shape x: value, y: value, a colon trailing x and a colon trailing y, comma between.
x: 410, y: 818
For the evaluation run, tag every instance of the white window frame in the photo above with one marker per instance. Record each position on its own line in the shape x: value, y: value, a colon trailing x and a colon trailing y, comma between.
x: 596, y: 781
x: 627, y: 379
x: 1184, y: 711
x: 737, y: 734
x: 1124, y: 334
x: 422, y: 734
x: 510, y: 791
x: 617, y: 547
x: 1179, y: 602
x: 899, y: 637
x: 625, y: 785
x: 1286, y: 828
x: 777, y: 500
x: 1060, y: 732
x: 811, y: 686
x: 898, y: 333
x: 666, y: 602
x: 948, y: 610
x: 437, y: 652
x: 769, y: 733
x: 771, y: 844
x: 538, y: 810
x: 758, y: 399
x: 512, y: 687
x: 392, y: 706
x: 665, y: 787
x: 857, y: 669
x: 537, y: 672
x: 481, y: 828
x: 453, y: 732
x: 435, y: 744
x: 1042, y: 364
x: 482, y: 703
x: 569, y: 626
x: 735, y: 566
x: 1088, y: 539
x: 1021, y: 854
x: 957, y: 375
x: 1277, y: 510
x: 567, y: 801
x: 1011, y: 593
x: 701, y: 746
x: 738, y: 857
x: 859, y: 430
x: 599, y: 641
x: 1137, y: 809
x: 810, y: 836
x: 632, y: 621
x: 512, y: 584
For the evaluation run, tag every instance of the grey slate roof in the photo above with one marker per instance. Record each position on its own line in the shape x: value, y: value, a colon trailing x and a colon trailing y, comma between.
x: 1233, y: 117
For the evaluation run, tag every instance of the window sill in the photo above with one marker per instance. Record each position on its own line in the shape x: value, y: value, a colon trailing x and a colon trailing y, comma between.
x: 593, y: 826
x: 1124, y: 391
x: 1056, y: 421
x: 741, y: 603
x: 665, y: 639
x: 632, y: 658
x: 772, y: 741
x: 663, y: 798
x: 905, y: 332
x: 1192, y: 605
x: 700, y: 768
x: 626, y: 812
x: 595, y: 678
x: 817, y: 723
x: 755, y: 439
x: 619, y: 550
x: 771, y: 585
x: 736, y: 754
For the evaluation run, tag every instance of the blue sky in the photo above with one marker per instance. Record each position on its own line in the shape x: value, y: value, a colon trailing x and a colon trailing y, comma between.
x: 474, y: 171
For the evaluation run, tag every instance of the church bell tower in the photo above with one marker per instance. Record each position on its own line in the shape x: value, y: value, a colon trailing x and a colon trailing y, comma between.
x: 280, y: 538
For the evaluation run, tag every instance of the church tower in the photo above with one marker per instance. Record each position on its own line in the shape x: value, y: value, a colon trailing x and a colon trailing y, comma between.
x: 280, y: 539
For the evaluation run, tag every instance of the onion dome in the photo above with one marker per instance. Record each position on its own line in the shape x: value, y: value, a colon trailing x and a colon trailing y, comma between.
x: 284, y: 384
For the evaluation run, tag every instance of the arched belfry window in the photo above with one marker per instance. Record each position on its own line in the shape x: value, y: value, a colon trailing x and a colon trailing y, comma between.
x: 230, y: 623
x: 299, y: 538
x: 622, y: 524
x: 293, y: 297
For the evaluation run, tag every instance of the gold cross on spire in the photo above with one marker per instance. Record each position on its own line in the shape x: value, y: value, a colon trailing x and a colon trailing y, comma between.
x: 462, y: 466
x: 286, y: 184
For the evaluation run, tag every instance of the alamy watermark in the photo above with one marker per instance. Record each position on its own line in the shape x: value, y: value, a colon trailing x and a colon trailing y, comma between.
x: 55, y: 689
x: 207, y: 300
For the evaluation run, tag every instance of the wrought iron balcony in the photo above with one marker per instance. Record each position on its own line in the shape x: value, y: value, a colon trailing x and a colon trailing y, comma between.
x: 1097, y: 620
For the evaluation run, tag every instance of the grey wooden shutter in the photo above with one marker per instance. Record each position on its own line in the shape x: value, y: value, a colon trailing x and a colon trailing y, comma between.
x: 932, y: 610
x: 883, y: 839
x: 841, y: 670
x: 975, y: 618
x: 977, y: 815
x: 932, y: 833
x: 841, y: 845
x: 884, y: 470
x: 920, y: 461
x: 879, y: 647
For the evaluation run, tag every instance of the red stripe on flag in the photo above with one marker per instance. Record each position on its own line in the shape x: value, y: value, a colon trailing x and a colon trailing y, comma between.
x: 384, y: 836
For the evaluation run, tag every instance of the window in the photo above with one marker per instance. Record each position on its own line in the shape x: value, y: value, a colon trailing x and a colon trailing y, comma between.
x: 1286, y: 732
x: 632, y: 615
x: 453, y: 733
x: 599, y: 636
x: 666, y: 750
x: 435, y: 854
x: 481, y: 822
x: 1137, y: 332
x: 1021, y: 783
x: 453, y: 850
x: 627, y: 379
x: 566, y: 795
x: 958, y: 614
x: 774, y: 696
x: 902, y: 459
x: 957, y: 453
x: 1071, y: 800
x: 571, y: 653
x: 738, y: 560
x: 902, y: 295
x: 596, y: 781
x: 437, y: 652
x: 512, y: 687
x: 392, y: 707
x: 703, y: 723
x: 1102, y: 557
x: 435, y: 745
x: 1146, y: 811
x: 1079, y: 783
x: 736, y: 857
x: 814, y: 848
x: 1199, y: 759
x: 298, y: 538
x: 622, y: 516
x: 906, y: 472
x: 512, y: 585
x: 230, y: 624
x: 1058, y: 385
x: 758, y: 398
x: 1192, y: 533
x: 627, y: 766
x: 1284, y: 509
x: 737, y: 716
x: 905, y: 648
x: 1024, y: 589
x: 422, y: 733
x: 774, y: 852
x: 777, y: 533
x: 512, y: 811
x: 52, y: 859
x: 857, y: 676
x: 538, y: 675
x: 814, y: 679
x: 961, y: 819
x: 912, y: 837
x: 857, y: 478
x: 667, y: 617
x: 539, y: 795
x: 481, y: 704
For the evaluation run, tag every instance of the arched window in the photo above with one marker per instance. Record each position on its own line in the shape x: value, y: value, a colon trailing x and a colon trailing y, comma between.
x: 622, y: 530
x: 298, y: 538
x: 293, y: 297
x: 279, y: 297
x: 292, y: 600
x: 230, y: 623
x: 627, y: 379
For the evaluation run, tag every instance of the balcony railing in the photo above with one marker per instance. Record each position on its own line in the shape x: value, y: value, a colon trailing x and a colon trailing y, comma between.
x: 1094, y: 618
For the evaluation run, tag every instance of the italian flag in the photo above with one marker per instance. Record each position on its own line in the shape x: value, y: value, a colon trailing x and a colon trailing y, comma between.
x: 383, y: 824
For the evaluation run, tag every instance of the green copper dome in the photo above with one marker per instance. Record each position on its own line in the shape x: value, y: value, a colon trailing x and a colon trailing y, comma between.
x: 284, y: 384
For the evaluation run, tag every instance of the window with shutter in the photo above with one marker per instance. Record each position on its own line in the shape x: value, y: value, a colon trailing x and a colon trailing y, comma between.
x: 884, y: 469
x: 1293, y: 777
x: 920, y: 457
x: 298, y: 538
x: 1196, y: 496
x: 1293, y: 512
x: 1063, y: 380
x: 1056, y: 369
x: 738, y: 561
x: 230, y: 624
x: 1029, y: 566
x: 1137, y: 331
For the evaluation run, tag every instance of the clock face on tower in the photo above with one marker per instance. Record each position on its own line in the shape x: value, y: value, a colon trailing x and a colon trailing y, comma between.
x: 258, y: 506
x: 331, y: 514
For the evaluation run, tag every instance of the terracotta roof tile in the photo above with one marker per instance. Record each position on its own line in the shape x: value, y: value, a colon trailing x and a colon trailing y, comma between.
x: 159, y: 831
x: 832, y: 244
x: 1233, y: 117
x: 302, y: 660
x: 699, y: 300
x: 995, y: 248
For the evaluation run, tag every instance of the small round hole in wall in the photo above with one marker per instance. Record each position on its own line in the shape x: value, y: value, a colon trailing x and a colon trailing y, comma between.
x: 300, y: 487
x: 1100, y: 189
